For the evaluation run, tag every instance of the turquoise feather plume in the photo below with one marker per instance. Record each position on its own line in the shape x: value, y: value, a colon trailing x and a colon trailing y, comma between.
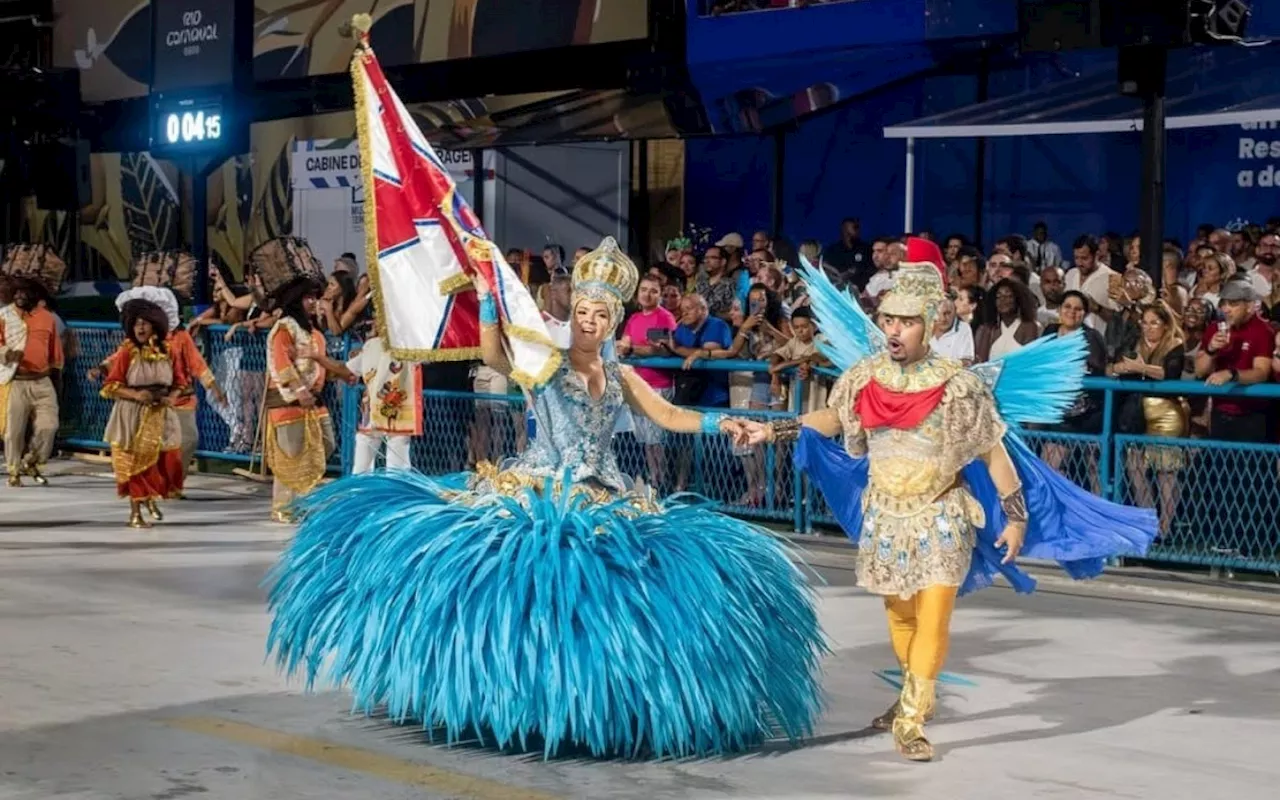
x: 848, y: 333
x: 549, y: 624
x: 1039, y: 383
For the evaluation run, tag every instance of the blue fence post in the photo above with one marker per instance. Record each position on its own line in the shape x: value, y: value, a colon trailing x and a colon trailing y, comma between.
x: 1104, y: 446
x: 349, y: 415
x: 770, y: 475
x: 797, y: 479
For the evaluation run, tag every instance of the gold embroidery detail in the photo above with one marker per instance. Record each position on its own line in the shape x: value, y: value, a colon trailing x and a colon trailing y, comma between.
x: 919, y: 520
x: 905, y: 547
x: 150, y: 352
x: 928, y: 373
x: 517, y: 483
x: 455, y: 283
x: 144, y: 450
x: 302, y: 369
x: 303, y: 472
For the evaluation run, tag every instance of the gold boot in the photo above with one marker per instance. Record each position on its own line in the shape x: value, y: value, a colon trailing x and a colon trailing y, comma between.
x: 884, y: 722
x: 917, y: 703
x: 15, y: 480
x: 135, y: 515
x: 29, y: 467
x: 154, y: 509
x: 281, y: 516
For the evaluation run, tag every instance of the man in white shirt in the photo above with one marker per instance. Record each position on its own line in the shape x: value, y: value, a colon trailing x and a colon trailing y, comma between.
x: 887, y: 254
x: 1265, y: 256
x: 1093, y: 279
x: 952, y: 338
x: 1041, y: 252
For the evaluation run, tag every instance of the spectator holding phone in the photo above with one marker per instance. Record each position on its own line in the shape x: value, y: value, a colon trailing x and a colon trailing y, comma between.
x: 644, y: 334
x: 1237, y: 350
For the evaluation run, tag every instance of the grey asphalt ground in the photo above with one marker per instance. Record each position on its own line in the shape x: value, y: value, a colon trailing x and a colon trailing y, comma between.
x: 132, y: 666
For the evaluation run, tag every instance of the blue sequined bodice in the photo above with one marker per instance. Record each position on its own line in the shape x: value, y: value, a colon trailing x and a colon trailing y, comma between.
x: 575, y: 431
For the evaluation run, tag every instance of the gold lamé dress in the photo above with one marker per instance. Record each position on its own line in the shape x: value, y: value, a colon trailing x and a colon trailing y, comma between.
x: 919, y: 519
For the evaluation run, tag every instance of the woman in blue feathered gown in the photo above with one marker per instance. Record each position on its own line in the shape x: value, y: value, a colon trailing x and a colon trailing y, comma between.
x: 547, y: 602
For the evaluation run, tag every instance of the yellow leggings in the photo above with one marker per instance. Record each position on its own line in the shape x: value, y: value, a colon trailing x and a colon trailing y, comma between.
x: 921, y: 629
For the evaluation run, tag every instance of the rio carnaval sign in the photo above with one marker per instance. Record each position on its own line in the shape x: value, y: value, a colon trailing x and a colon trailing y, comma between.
x: 192, y: 34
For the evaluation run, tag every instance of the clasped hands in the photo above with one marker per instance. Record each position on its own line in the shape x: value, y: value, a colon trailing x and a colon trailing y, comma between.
x: 745, y: 432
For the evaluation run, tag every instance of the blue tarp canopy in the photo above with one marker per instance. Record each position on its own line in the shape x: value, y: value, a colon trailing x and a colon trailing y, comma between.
x: 1205, y: 87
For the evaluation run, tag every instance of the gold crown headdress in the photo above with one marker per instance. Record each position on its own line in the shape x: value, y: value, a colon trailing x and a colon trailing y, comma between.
x: 917, y: 291
x: 919, y: 286
x: 606, y: 275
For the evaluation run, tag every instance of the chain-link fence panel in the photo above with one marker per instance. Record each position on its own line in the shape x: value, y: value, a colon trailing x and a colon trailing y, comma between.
x: 234, y: 431
x: 1078, y: 457
x: 83, y: 410
x: 1218, y: 502
x: 230, y: 432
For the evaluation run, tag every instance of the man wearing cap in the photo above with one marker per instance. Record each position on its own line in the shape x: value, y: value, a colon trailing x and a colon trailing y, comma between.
x: 1237, y: 350
x: 32, y: 406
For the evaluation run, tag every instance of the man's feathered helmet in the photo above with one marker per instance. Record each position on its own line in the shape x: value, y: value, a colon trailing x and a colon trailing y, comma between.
x: 920, y: 284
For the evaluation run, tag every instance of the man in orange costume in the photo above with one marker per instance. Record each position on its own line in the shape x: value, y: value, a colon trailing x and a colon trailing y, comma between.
x: 32, y: 402
x: 300, y: 437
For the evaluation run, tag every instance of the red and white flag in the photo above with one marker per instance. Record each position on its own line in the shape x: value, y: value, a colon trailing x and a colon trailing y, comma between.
x: 423, y: 242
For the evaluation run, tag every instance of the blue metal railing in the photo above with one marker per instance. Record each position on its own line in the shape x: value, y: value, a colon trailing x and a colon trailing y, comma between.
x: 1218, y: 501
x: 238, y: 363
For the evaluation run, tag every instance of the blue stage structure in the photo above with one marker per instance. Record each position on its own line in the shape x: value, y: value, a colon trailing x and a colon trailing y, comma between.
x: 810, y: 148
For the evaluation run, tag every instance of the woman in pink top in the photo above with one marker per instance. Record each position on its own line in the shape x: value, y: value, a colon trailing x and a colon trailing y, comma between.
x: 640, y: 337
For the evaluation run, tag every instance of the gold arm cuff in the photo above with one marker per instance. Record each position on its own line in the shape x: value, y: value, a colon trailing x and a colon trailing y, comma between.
x: 1014, y: 505
x: 786, y: 430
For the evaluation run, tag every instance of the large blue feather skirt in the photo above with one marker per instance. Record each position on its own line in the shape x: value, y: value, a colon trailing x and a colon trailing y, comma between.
x: 555, y: 623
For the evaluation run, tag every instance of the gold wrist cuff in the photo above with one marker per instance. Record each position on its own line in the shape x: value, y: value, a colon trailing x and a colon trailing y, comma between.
x: 786, y: 430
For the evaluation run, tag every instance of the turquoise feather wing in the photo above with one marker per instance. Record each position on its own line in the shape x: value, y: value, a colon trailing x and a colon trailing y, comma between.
x: 1038, y: 383
x: 848, y: 333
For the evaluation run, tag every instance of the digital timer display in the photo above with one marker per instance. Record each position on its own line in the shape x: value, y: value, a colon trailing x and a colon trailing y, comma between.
x: 187, y: 127
x: 192, y: 126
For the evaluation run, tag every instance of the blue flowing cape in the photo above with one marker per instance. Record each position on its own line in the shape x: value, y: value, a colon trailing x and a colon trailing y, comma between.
x: 1065, y: 523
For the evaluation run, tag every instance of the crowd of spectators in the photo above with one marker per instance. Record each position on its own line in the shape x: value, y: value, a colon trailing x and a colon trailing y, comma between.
x: 1211, y: 316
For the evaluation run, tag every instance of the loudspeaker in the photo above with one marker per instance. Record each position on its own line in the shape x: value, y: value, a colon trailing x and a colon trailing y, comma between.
x: 1049, y: 26
x: 1140, y: 71
x: 1057, y: 25
x: 60, y: 175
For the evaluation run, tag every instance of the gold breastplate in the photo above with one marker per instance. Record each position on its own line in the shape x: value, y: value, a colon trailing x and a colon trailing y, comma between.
x: 909, y: 466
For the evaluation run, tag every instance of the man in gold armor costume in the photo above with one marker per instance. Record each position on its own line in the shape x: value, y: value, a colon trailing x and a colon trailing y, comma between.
x: 919, y: 419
